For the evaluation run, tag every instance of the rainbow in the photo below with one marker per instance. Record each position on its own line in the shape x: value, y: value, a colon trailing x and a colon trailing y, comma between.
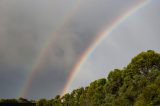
x: 100, y: 37
x: 47, y: 45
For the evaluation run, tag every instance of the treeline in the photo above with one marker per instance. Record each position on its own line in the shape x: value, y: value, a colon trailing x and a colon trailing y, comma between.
x: 17, y: 102
x: 137, y: 84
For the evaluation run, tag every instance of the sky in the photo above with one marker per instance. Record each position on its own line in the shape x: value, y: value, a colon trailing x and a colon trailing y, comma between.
x: 51, y: 35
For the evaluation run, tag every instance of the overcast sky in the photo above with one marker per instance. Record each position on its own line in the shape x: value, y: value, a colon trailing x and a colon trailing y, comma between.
x: 27, y: 25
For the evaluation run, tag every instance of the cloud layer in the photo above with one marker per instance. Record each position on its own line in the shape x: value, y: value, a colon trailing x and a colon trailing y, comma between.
x: 26, y: 26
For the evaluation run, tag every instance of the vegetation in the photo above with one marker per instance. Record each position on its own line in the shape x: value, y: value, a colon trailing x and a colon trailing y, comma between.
x: 137, y: 84
x: 17, y: 102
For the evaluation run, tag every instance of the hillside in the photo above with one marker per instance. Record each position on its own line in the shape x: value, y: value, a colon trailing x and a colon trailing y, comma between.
x: 137, y: 84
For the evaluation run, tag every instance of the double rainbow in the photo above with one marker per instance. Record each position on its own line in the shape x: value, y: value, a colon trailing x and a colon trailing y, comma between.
x: 82, y: 59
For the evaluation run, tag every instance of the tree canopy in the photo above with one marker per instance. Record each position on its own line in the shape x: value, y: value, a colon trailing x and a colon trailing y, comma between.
x: 137, y: 84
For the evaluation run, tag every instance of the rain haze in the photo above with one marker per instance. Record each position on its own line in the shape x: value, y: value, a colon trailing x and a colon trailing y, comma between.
x: 61, y: 31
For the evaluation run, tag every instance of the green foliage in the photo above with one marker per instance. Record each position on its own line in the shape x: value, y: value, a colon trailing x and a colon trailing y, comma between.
x: 138, y: 84
x: 16, y: 102
x: 42, y: 102
x: 8, y: 101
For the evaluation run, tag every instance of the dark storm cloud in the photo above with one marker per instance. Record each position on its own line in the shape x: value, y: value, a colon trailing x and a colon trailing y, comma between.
x: 72, y: 42
x: 26, y: 25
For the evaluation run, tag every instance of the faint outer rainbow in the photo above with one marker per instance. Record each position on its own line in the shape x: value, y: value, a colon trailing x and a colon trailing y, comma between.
x: 100, y: 37
x: 45, y: 49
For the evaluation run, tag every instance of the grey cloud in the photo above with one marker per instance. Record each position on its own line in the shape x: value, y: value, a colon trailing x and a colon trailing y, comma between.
x: 26, y: 25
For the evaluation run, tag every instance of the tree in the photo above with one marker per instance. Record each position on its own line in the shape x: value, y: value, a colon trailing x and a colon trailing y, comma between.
x: 138, y: 84
x: 42, y: 102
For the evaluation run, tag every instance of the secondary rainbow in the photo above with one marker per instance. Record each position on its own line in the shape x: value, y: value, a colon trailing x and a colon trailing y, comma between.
x: 37, y: 64
x: 100, y: 37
